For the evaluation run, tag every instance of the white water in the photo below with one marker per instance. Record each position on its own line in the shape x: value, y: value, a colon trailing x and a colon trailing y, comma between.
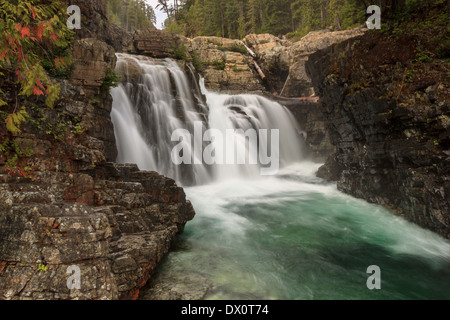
x: 292, y: 236
x: 289, y: 236
x: 145, y: 115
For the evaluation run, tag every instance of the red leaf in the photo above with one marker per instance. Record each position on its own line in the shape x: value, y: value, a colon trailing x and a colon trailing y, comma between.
x: 39, y: 83
x: 56, y: 63
x: 18, y: 27
x: 40, y: 30
x: 33, y: 13
x: 19, y: 74
x: 25, y: 32
x: 37, y: 91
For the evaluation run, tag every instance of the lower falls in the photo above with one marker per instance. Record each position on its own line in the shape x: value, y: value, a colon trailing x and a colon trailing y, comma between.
x: 266, y: 226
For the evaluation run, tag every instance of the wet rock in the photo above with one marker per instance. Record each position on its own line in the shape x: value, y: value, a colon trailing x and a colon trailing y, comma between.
x: 188, y: 286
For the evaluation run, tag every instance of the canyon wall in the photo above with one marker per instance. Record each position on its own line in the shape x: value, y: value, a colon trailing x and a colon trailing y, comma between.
x: 64, y: 205
x: 391, y: 134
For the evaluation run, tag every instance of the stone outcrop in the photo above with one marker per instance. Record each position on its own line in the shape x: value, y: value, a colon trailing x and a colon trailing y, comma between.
x: 298, y: 83
x: 391, y: 135
x: 226, y: 64
x: 64, y: 205
x: 92, y: 61
x: 273, y: 57
x: 154, y: 43
x: 115, y: 227
x: 284, y: 62
x: 314, y: 124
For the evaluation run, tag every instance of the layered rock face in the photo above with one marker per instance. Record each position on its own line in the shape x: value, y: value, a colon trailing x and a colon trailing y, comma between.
x: 226, y: 64
x: 284, y: 62
x: 115, y: 227
x: 272, y: 55
x: 65, y: 207
x: 391, y: 135
x: 154, y: 43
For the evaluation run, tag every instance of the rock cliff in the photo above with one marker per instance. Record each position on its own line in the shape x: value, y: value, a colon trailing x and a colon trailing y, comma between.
x: 64, y: 204
x: 390, y: 124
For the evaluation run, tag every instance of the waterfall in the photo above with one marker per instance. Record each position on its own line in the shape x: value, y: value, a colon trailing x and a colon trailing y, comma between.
x: 287, y: 236
x: 157, y: 99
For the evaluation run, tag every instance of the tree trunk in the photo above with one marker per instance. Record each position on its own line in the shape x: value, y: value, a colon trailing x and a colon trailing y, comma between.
x: 223, y: 24
x: 126, y: 14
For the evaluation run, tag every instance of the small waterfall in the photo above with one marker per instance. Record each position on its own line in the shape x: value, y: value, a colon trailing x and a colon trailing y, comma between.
x: 157, y: 98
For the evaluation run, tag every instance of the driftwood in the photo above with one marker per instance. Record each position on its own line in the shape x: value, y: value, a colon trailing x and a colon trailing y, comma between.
x: 250, y: 51
x: 312, y: 99
x: 260, y: 72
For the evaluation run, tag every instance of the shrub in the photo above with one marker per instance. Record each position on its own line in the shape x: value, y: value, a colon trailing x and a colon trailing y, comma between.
x: 179, y: 52
x: 196, y: 62
x: 218, y: 65
x: 111, y: 80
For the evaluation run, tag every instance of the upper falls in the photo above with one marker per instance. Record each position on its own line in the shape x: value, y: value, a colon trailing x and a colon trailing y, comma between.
x: 163, y: 115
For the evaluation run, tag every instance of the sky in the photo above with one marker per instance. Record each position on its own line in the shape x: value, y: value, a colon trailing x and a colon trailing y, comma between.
x: 160, y: 16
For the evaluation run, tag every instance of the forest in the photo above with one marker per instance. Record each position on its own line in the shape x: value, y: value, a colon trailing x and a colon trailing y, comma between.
x: 293, y: 18
x: 237, y: 18
x: 131, y: 14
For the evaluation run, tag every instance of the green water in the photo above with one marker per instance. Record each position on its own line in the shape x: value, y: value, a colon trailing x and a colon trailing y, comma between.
x: 295, y: 237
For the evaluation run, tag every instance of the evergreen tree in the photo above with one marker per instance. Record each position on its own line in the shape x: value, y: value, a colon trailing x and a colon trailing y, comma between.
x: 131, y: 14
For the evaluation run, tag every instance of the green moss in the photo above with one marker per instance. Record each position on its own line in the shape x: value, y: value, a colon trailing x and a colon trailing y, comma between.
x: 236, y: 69
x: 42, y: 268
x: 218, y: 65
x: 12, y: 162
x: 238, y: 48
x: 94, y: 101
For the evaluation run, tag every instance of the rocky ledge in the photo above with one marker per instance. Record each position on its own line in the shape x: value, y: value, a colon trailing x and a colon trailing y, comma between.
x: 115, y: 227
x: 65, y: 207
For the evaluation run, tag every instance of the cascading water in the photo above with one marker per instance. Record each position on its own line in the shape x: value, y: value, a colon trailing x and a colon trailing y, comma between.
x: 287, y: 236
x: 146, y: 114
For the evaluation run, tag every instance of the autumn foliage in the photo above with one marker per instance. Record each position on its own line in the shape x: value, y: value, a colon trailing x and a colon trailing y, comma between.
x: 30, y: 32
